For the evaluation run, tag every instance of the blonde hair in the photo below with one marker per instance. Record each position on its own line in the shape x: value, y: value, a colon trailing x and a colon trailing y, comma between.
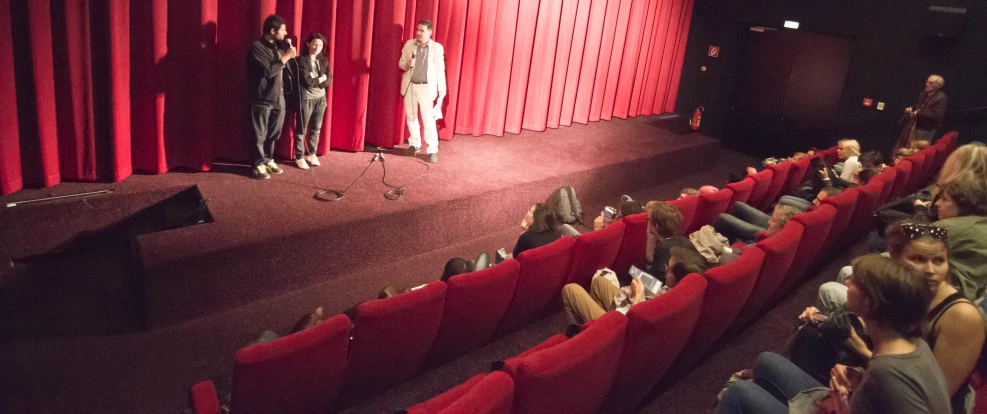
x: 938, y: 79
x: 968, y: 162
x: 851, y: 146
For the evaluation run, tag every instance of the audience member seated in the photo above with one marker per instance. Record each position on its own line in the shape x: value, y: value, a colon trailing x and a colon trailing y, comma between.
x: 901, y: 154
x: 664, y: 225
x: 606, y: 295
x: 707, y: 189
x: 455, y: 266
x: 544, y: 229
x: 955, y: 327
x: 564, y: 228
x: 748, y: 224
x: 847, y: 151
x: 688, y: 192
x: 627, y: 207
x: 902, y: 377
x: 819, y: 174
x: 962, y: 210
x: 920, y: 144
x: 805, y: 205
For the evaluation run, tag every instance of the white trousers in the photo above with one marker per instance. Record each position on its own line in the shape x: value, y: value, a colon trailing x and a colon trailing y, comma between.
x: 417, y: 99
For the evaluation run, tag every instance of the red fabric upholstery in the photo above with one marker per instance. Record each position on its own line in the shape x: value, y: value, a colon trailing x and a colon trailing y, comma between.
x: 918, y: 172
x: 931, y: 165
x: 741, y: 191
x: 796, y: 175
x: 761, y: 182
x: 204, y: 398
x: 634, y: 244
x: 844, y: 204
x: 512, y: 363
x: 301, y: 372
x: 830, y: 155
x: 861, y: 222
x: 778, y: 182
x: 727, y: 289
x: 573, y: 376
x: 779, y: 251
x: 903, y: 172
x: 710, y: 205
x: 816, y: 226
x: 887, y: 175
x: 543, y: 271
x: 391, y: 339
x: 485, y: 393
x: 687, y: 206
x: 475, y: 304
x: 594, y: 251
x: 667, y: 320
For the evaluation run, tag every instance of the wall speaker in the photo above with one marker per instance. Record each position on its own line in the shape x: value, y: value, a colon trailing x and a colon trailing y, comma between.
x: 944, y: 21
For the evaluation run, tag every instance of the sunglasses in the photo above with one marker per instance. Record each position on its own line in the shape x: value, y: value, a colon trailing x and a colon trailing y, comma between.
x: 916, y: 231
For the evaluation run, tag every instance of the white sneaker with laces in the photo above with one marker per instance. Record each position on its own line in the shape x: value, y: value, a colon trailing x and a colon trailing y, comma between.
x: 314, y: 161
x: 301, y: 163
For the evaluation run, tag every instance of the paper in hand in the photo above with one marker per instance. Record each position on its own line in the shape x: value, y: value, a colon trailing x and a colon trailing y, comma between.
x: 437, y: 111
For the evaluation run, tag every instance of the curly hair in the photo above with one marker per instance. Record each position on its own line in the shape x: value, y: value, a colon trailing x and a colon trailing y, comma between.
x: 666, y: 218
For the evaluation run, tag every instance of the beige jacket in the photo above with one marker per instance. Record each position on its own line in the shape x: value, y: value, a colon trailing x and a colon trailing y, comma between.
x: 436, y: 68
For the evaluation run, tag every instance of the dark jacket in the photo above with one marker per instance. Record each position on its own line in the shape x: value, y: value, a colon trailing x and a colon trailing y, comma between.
x: 264, y: 73
x: 930, y: 114
x: 305, y: 66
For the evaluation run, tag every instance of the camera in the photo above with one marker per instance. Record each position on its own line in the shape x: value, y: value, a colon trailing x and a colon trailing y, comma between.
x: 609, y: 212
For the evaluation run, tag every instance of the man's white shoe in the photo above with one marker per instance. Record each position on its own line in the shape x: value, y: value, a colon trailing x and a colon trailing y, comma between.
x: 301, y: 163
x: 314, y: 161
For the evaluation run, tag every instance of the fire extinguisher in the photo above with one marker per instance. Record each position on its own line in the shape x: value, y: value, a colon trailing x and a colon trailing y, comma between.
x: 697, y: 116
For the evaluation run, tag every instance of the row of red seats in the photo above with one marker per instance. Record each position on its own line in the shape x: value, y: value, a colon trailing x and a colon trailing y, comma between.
x: 671, y: 333
x: 392, y: 340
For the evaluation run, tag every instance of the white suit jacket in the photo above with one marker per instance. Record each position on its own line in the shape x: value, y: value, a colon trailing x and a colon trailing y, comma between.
x: 436, y: 68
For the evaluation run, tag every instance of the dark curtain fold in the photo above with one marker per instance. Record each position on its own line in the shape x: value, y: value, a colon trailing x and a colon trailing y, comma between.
x: 95, y: 90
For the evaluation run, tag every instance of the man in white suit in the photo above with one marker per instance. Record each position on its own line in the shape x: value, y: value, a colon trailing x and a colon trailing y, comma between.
x: 423, y: 82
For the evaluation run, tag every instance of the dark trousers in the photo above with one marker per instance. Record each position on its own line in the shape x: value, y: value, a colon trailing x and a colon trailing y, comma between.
x: 743, y: 224
x: 309, y: 119
x: 266, y: 119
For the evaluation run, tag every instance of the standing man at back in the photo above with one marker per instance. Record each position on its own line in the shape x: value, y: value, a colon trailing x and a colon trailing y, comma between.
x: 265, y: 61
x: 423, y: 82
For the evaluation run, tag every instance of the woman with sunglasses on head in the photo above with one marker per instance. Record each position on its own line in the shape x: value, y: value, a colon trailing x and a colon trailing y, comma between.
x: 902, y: 376
x: 955, y: 328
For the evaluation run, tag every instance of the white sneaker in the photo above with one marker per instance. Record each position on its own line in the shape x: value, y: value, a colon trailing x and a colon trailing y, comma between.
x: 314, y: 161
x: 301, y: 163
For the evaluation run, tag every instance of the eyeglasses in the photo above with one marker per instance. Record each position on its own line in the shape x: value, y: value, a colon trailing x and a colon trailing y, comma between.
x: 916, y: 231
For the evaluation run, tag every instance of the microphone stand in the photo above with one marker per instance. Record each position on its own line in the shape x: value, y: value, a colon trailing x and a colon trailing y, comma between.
x: 340, y: 194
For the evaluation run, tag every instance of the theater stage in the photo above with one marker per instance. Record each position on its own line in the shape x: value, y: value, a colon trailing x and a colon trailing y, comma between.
x: 96, y: 287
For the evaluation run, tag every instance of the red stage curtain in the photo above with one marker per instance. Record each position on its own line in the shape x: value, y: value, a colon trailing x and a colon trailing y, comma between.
x: 99, y: 89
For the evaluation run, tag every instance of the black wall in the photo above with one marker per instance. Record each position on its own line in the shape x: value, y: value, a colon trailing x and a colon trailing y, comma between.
x: 891, y: 59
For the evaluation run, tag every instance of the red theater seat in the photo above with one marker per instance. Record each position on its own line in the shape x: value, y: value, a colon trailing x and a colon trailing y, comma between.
x: 485, y: 393
x: 573, y: 376
x: 710, y: 205
x: 741, y: 191
x: 543, y: 272
x: 779, y: 251
x: 931, y: 164
x: 687, y: 206
x: 777, y: 185
x: 667, y: 320
x: 887, y: 176
x: 594, y: 251
x: 475, y: 304
x: 634, y: 244
x: 796, y: 175
x: 392, y: 338
x: 862, y: 220
x: 816, y: 225
x: 844, y: 204
x: 762, y: 181
x: 918, y: 172
x: 301, y: 372
x: 903, y: 172
x: 830, y: 155
x: 727, y: 289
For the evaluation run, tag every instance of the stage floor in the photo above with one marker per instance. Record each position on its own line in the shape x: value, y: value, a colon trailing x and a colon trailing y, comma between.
x: 273, y: 252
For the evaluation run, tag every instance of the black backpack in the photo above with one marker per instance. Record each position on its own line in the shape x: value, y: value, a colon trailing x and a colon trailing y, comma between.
x: 566, y: 205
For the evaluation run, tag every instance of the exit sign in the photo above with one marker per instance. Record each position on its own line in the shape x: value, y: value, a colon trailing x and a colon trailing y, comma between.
x: 868, y: 102
x: 714, y: 51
